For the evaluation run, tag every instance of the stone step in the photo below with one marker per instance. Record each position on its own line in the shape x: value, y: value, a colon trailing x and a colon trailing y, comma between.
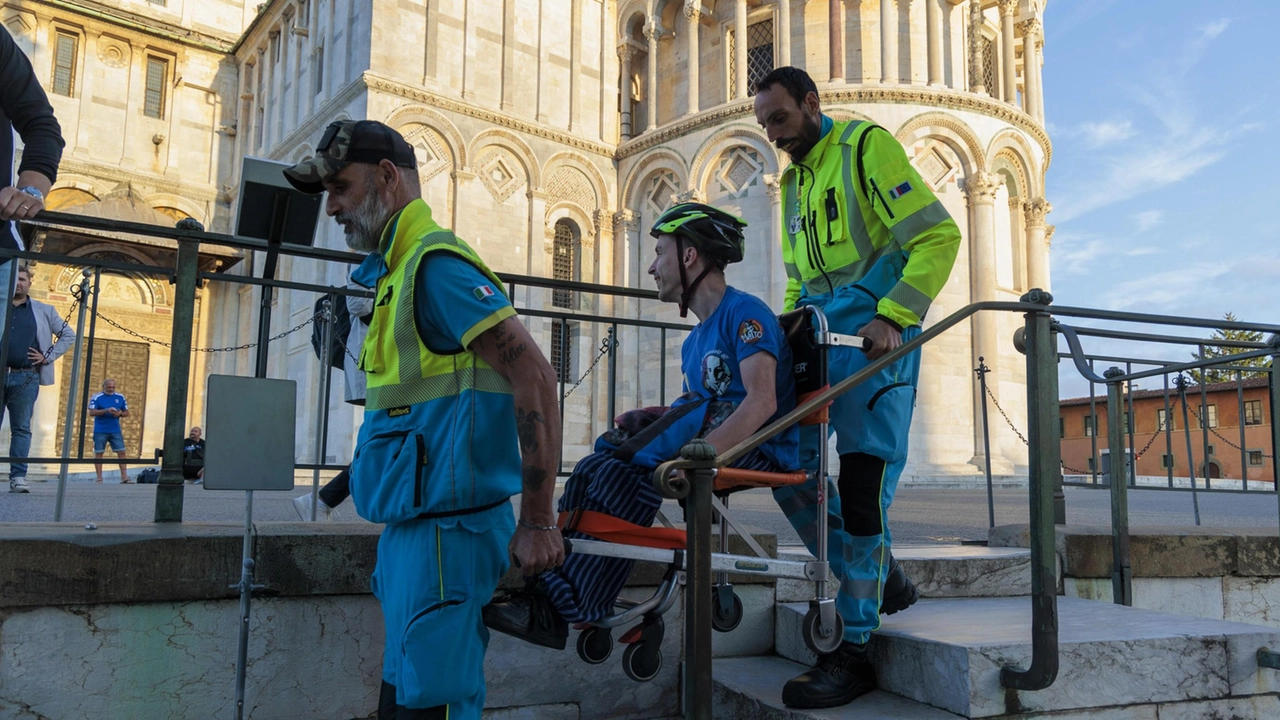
x: 948, y: 653
x: 941, y: 571
x: 751, y: 689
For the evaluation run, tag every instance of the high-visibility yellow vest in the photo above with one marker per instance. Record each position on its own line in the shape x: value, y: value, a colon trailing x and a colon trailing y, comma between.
x: 400, y: 369
x: 853, y: 205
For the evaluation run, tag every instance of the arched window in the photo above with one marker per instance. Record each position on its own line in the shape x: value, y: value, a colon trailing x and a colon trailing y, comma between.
x: 564, y: 251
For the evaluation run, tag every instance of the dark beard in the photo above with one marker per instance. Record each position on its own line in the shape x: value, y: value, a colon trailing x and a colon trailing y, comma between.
x: 810, y: 134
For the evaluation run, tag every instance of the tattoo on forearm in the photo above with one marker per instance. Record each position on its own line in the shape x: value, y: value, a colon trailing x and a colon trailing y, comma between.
x: 534, y: 477
x: 527, y: 423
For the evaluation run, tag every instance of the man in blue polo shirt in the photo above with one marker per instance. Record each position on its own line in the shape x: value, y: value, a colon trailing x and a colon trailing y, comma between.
x: 106, y: 408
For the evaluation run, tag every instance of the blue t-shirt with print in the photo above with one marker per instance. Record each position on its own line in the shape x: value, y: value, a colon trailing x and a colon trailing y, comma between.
x: 103, y: 401
x: 458, y: 301
x: 741, y: 326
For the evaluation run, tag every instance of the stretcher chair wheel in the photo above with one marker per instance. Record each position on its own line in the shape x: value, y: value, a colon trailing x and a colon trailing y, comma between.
x: 813, y: 637
x: 641, y: 663
x: 722, y: 619
x: 595, y: 645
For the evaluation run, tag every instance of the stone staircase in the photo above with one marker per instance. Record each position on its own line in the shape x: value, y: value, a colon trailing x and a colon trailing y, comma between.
x: 942, y: 657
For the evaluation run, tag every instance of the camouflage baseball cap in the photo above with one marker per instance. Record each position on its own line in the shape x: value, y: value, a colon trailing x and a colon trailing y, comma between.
x: 345, y: 142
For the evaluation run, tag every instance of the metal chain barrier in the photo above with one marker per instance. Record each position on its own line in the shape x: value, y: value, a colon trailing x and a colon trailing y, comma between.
x: 609, y: 343
x: 1237, y: 447
x: 246, y: 346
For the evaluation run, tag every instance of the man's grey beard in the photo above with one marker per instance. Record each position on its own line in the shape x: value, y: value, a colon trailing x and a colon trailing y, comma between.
x: 366, y: 222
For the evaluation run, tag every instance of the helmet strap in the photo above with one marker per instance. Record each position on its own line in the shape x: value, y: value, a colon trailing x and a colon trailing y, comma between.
x: 687, y: 288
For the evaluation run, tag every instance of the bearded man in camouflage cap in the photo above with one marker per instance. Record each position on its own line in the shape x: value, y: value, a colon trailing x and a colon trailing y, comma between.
x: 460, y: 415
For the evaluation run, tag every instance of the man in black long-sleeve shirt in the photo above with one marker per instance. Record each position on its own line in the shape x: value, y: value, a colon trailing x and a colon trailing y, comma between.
x: 24, y: 108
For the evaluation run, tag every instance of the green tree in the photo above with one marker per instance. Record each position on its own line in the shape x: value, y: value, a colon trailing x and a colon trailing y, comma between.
x: 1215, y: 375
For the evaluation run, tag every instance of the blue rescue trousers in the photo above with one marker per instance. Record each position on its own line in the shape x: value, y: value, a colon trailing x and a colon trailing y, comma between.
x: 432, y: 578
x: 871, y: 423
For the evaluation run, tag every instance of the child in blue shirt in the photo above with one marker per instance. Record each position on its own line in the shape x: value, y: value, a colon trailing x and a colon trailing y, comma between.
x: 737, y: 373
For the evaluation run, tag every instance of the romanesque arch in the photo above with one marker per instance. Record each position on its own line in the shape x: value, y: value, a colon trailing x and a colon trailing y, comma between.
x: 423, y: 115
x: 762, y: 159
x: 1012, y: 144
x: 948, y: 129
x: 562, y: 184
x: 152, y: 292
x: 1017, y: 178
x: 168, y: 200
x: 511, y: 143
x: 631, y: 13
x: 657, y: 159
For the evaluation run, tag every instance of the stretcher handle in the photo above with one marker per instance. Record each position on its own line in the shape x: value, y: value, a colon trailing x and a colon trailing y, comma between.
x: 735, y: 477
x: 568, y: 549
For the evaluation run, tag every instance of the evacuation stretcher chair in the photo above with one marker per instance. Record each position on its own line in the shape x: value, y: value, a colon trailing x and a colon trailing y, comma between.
x: 823, y: 630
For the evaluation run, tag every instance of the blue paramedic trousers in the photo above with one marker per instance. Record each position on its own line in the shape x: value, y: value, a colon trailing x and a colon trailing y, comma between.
x: 585, y: 587
x: 873, y: 419
x: 432, y: 578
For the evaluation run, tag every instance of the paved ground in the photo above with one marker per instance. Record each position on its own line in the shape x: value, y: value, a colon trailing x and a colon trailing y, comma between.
x: 919, y: 515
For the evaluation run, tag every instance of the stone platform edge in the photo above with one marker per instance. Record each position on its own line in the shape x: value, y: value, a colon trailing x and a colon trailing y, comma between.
x: 1159, y: 551
x: 56, y: 564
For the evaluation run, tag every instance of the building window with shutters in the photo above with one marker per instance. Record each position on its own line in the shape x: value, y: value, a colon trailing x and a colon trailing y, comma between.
x: 1255, y: 458
x: 154, y: 100
x: 64, y: 63
x: 990, y: 67
x: 1253, y: 412
x: 1089, y: 425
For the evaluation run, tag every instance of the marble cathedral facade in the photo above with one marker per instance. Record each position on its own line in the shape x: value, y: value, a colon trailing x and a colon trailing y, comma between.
x: 548, y: 134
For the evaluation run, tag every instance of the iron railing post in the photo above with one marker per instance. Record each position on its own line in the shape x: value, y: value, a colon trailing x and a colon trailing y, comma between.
x: 1118, y: 480
x: 1180, y: 382
x: 169, y: 491
x: 326, y: 374
x: 613, y: 375
x: 1168, y: 430
x: 697, y: 589
x: 82, y: 291
x: 982, y: 371
x: 1130, y: 425
x: 1274, y: 387
x: 1043, y: 463
x: 1244, y: 456
x: 88, y: 353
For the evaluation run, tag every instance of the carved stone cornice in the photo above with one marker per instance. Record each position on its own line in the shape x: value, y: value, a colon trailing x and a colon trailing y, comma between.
x: 625, y: 220
x: 651, y: 31
x: 383, y: 84
x: 693, y: 9
x: 932, y: 97
x: 981, y: 187
x: 625, y: 52
x: 1007, y: 7
x: 189, y: 191
x: 1031, y: 28
x: 1037, y: 209
x: 603, y: 220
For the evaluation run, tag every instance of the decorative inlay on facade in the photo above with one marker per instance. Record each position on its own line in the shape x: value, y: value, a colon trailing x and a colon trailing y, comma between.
x: 428, y: 146
x: 934, y: 166
x: 662, y: 191
x: 739, y: 169
x: 497, y: 171
x: 569, y: 183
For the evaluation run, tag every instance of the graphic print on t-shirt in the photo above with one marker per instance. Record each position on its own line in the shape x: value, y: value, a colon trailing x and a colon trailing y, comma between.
x: 717, y: 375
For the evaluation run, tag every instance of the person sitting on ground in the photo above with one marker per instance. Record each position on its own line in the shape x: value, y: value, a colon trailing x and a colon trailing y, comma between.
x: 193, y: 457
x: 737, y: 378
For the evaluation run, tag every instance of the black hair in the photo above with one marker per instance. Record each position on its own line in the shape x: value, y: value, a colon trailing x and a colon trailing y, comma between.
x: 796, y: 81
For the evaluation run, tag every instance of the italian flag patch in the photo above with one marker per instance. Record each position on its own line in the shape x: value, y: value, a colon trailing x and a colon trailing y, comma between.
x: 482, y: 292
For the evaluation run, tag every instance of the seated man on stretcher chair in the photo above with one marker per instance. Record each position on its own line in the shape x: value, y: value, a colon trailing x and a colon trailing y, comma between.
x: 737, y: 378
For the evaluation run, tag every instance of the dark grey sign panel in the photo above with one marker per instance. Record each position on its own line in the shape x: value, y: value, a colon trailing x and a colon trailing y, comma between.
x: 249, y: 433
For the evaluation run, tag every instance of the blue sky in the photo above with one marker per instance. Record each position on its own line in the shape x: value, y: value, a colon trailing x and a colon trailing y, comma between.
x: 1166, y: 170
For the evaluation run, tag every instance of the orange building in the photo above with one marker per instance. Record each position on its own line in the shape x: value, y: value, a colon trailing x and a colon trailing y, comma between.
x: 1077, y: 426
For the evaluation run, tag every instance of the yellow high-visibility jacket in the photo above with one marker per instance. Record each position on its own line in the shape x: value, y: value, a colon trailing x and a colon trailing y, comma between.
x: 855, y: 202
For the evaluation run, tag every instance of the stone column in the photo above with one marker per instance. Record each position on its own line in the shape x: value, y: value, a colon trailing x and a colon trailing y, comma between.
x: 1031, y: 42
x: 575, y: 67
x: 1009, y: 71
x: 692, y: 14
x: 1037, y: 244
x: 623, y: 223
x: 740, y: 49
x: 888, y: 42
x: 975, y: 47
x: 537, y: 249
x: 933, y: 31
x: 784, y: 33
x: 625, y: 51
x: 981, y: 187
x: 777, y: 288
x: 269, y: 101
x: 651, y: 34
x: 835, y: 33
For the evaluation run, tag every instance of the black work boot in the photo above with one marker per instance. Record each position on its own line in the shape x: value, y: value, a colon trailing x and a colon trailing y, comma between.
x: 529, y: 615
x: 836, y: 680
x: 899, y: 592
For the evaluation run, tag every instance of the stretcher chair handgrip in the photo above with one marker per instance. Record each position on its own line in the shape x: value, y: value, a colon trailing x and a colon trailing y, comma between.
x: 728, y: 478
x: 611, y: 529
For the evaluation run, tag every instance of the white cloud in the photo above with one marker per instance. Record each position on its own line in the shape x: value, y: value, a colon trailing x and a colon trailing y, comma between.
x: 1148, y: 219
x: 1214, y: 29
x: 1104, y: 133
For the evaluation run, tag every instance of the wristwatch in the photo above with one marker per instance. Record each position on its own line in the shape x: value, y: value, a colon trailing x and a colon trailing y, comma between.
x: 33, y: 192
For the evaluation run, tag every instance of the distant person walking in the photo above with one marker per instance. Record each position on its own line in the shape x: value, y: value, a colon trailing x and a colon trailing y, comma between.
x: 107, y: 407
x: 28, y: 365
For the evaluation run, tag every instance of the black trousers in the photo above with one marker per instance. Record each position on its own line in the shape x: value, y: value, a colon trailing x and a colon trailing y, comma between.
x: 389, y: 710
